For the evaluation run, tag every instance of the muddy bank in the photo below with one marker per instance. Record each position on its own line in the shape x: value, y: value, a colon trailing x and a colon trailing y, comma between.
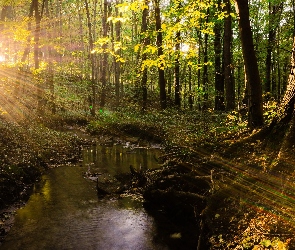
x: 209, y: 201
x: 172, y: 194
x: 27, y: 151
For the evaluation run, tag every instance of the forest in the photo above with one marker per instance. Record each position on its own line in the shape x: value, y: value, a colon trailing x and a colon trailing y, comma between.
x: 211, y: 81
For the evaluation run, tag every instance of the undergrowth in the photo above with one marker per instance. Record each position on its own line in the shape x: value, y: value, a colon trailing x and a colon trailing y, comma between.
x: 182, y: 128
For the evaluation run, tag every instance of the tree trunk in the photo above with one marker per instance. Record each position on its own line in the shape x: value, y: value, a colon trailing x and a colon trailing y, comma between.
x: 286, y: 118
x: 274, y: 20
x: 145, y: 41
x: 117, y: 63
x: 255, y: 110
x: 205, y: 68
x: 92, y: 99
x: 228, y: 76
x: 5, y: 13
x: 177, y: 70
x: 199, y: 69
x: 281, y: 131
x: 50, y: 69
x: 219, y: 83
x: 36, y: 54
x: 27, y: 49
x: 190, y: 95
x: 104, y: 64
x: 162, y: 83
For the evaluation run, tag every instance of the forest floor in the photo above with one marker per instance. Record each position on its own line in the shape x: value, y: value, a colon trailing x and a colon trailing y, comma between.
x: 215, y: 176
x: 223, y: 188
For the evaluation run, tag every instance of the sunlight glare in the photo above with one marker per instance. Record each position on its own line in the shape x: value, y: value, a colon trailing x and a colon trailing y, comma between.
x: 2, y: 58
x: 184, y: 47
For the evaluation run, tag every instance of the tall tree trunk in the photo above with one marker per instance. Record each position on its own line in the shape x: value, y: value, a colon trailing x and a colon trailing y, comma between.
x: 228, y: 76
x: 278, y: 94
x: 199, y: 69
x: 117, y: 63
x: 5, y: 13
x: 49, y: 79
x: 287, y: 104
x: 162, y: 83
x: 27, y: 49
x: 145, y: 41
x: 104, y: 64
x: 36, y: 54
x: 205, y: 68
x: 286, y: 119
x: 177, y: 70
x: 255, y: 110
x: 190, y: 95
x: 219, y: 83
x: 92, y: 98
x: 3, y: 16
x: 274, y: 20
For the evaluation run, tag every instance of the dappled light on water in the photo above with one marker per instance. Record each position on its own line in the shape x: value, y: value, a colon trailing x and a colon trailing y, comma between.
x: 64, y: 212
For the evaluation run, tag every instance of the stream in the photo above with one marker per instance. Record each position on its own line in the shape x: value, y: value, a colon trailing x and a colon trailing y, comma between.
x: 64, y: 211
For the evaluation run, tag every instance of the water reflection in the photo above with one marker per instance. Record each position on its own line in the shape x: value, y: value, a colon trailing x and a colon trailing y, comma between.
x: 118, y: 158
x: 64, y: 212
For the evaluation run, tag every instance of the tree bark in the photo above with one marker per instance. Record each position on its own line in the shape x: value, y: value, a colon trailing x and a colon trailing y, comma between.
x: 228, y: 76
x: 117, y: 63
x: 274, y: 20
x: 50, y: 67
x: 286, y: 118
x: 104, y: 64
x: 92, y: 99
x: 35, y: 5
x: 255, y: 109
x: 205, y: 68
x: 144, y: 41
x: 177, y: 101
x: 190, y: 95
x: 287, y: 104
x: 219, y: 83
x: 162, y: 83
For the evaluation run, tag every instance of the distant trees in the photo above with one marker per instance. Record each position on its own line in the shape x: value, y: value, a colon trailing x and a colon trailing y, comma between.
x: 181, y: 54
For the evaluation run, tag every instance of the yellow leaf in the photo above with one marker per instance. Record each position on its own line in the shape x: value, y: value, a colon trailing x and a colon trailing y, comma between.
x: 136, y: 47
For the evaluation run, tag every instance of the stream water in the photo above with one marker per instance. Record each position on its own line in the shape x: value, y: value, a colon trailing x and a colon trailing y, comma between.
x: 64, y: 211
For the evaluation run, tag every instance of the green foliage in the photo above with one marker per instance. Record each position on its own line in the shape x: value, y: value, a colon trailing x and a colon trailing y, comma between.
x: 270, y: 110
x: 171, y: 126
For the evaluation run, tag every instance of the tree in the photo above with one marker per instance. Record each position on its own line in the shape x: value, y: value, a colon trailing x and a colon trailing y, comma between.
x: 177, y: 70
x: 273, y: 24
x: 161, y: 67
x: 255, y: 109
x: 205, y: 67
x: 281, y: 131
x: 219, y: 82
x: 177, y: 100
x: 50, y: 74
x: 104, y: 63
x: 228, y: 77
x: 92, y: 98
x: 117, y: 62
x: 286, y: 117
x: 145, y: 41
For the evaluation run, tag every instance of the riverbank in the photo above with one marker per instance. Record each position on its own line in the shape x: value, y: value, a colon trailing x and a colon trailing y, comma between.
x: 217, y: 174
x: 219, y: 186
x: 28, y: 149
